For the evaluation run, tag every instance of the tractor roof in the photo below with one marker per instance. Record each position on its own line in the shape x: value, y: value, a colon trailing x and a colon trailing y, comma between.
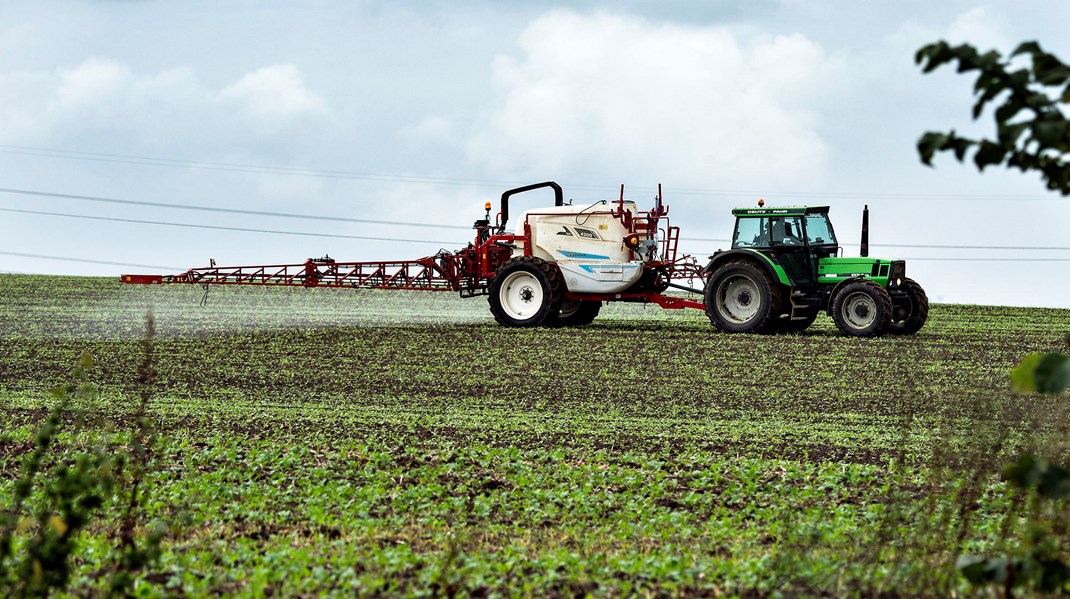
x: 781, y: 211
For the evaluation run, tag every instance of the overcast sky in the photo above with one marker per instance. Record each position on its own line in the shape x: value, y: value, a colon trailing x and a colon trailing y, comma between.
x: 421, y: 111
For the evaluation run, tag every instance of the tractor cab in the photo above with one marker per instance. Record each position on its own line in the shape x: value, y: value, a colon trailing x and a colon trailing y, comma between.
x: 795, y: 237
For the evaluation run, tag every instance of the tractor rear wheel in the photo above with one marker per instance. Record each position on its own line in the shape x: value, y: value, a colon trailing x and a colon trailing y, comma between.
x: 525, y: 292
x: 862, y: 309
x: 909, y: 314
x: 576, y: 313
x: 742, y: 298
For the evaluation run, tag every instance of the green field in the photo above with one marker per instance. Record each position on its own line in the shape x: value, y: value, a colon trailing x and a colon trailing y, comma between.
x: 357, y: 442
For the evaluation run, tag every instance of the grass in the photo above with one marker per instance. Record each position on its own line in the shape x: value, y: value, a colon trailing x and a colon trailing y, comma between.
x: 324, y: 441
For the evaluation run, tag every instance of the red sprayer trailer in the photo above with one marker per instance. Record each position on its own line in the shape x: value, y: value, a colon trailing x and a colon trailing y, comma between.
x: 556, y: 267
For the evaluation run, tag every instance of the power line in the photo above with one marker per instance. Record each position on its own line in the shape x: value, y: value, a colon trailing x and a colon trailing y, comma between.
x: 941, y: 259
x: 177, y: 269
x: 87, y: 261
x: 395, y: 178
x: 378, y: 222
x: 242, y: 168
x: 972, y: 247
x: 222, y: 228
x: 708, y: 239
x: 365, y: 221
x: 427, y: 225
x: 989, y: 259
x: 931, y: 246
x: 67, y: 196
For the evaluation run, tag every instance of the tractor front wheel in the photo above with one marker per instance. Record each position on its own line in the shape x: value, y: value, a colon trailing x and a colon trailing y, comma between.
x: 862, y: 309
x: 525, y: 291
x: 742, y: 298
x: 909, y: 313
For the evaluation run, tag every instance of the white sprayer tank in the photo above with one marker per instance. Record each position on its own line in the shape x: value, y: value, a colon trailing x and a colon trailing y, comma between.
x: 587, y: 243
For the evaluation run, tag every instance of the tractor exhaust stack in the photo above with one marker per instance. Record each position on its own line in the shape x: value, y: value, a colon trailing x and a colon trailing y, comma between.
x: 864, y: 250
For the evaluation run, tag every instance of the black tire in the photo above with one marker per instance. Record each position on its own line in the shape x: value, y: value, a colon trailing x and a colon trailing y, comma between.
x: 742, y: 298
x: 862, y: 309
x: 910, y: 312
x: 575, y: 313
x: 525, y: 292
x: 785, y: 324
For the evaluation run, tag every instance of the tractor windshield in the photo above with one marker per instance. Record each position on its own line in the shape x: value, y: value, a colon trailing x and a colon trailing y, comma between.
x: 819, y: 230
x: 783, y: 230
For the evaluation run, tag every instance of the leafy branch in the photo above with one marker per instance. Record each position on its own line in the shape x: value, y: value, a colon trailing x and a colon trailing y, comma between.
x: 1032, y: 131
x: 72, y: 490
x: 61, y: 490
x: 1039, y: 566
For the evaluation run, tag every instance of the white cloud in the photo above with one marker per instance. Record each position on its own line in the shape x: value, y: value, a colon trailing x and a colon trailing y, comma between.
x: 36, y: 103
x: 430, y: 130
x: 104, y: 96
x: 981, y: 28
x: 21, y: 117
x: 620, y: 95
x: 271, y: 98
x: 95, y: 86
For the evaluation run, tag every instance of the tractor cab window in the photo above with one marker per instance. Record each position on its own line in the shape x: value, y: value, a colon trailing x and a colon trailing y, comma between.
x: 819, y: 230
x: 751, y: 232
x: 786, y: 230
x: 773, y: 231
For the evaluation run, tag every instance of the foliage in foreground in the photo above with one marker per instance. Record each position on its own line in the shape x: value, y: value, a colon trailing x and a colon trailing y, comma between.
x: 1038, y: 141
x: 63, y: 488
x: 1038, y: 563
x: 1032, y: 131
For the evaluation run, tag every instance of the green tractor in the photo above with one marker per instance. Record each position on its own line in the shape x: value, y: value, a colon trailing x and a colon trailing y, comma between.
x: 785, y: 267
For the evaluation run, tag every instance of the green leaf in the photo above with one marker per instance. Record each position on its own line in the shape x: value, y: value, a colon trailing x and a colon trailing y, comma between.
x: 1051, y: 481
x: 1024, y: 472
x: 959, y: 145
x: 1009, y: 134
x: 988, y: 153
x: 1054, y: 482
x: 1022, y: 377
x: 1051, y: 133
x: 1053, y: 75
x: 1009, y: 110
x: 982, y: 570
x: 1042, y: 373
x: 929, y: 144
x: 1030, y: 47
x: 933, y: 55
x: 988, y: 60
x: 1049, y: 70
x: 1055, y: 574
x: 1052, y: 373
x: 924, y: 52
x: 1019, y: 79
x: 968, y: 57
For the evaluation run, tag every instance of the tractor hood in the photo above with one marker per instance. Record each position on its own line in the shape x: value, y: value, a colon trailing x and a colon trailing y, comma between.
x: 833, y: 269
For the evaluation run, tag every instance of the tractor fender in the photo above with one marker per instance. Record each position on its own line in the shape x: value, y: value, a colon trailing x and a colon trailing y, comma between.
x: 758, y: 258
